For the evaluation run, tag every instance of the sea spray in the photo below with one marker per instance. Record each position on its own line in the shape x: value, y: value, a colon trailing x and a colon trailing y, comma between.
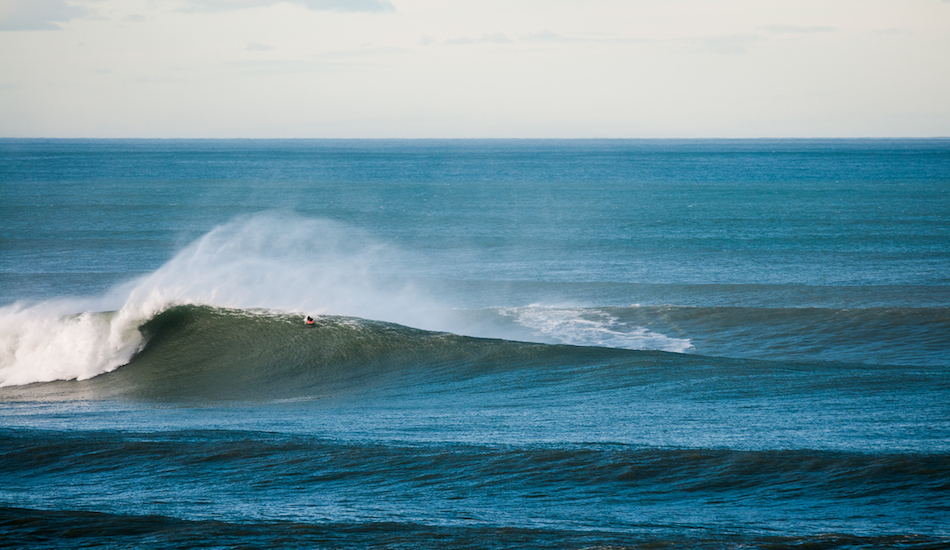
x: 284, y: 262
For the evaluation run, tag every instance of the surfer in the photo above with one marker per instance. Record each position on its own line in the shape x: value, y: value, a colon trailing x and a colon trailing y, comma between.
x: 308, y: 320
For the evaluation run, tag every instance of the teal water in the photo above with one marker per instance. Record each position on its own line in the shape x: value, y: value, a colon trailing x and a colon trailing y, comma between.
x: 519, y: 344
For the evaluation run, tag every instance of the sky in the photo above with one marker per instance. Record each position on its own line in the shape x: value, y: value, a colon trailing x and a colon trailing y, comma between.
x: 474, y: 68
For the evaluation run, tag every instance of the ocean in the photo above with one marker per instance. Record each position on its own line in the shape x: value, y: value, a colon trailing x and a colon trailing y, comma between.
x: 597, y: 344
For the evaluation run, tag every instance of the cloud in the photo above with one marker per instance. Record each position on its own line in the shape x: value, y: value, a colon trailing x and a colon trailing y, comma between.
x: 362, y: 53
x: 792, y: 29
x: 36, y: 15
x: 328, y: 62
x: 736, y: 44
x: 316, y: 5
x: 255, y: 47
x: 894, y: 31
x: 602, y: 37
x: 489, y: 38
x: 547, y: 36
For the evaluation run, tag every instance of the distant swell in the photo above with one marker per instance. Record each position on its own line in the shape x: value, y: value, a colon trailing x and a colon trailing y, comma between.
x: 24, y: 528
x: 578, y: 470
x: 372, y: 490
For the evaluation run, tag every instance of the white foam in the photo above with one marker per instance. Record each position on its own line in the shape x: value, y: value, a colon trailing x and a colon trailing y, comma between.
x: 41, y: 343
x: 591, y: 327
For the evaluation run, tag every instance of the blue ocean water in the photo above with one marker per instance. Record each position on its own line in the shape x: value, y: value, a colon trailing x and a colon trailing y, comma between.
x: 518, y: 344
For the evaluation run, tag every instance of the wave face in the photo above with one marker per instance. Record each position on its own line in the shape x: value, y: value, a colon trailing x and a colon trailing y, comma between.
x: 198, y: 353
x: 201, y: 352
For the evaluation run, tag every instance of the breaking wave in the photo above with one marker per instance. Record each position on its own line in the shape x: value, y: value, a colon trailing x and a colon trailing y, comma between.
x: 275, y: 264
x: 271, y: 262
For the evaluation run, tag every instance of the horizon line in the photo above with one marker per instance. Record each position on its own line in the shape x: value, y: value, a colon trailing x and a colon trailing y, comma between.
x: 766, y: 138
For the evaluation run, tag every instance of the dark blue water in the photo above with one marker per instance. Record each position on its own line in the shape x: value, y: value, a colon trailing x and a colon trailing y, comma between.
x: 518, y: 344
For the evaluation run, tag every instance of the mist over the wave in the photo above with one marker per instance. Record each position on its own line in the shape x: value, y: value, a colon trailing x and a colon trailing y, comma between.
x: 281, y: 261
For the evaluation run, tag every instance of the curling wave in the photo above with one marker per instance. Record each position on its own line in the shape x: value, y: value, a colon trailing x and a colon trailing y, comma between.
x: 273, y: 262
x: 202, y: 352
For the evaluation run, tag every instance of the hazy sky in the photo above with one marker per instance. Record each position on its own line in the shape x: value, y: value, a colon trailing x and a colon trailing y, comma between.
x: 474, y: 68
